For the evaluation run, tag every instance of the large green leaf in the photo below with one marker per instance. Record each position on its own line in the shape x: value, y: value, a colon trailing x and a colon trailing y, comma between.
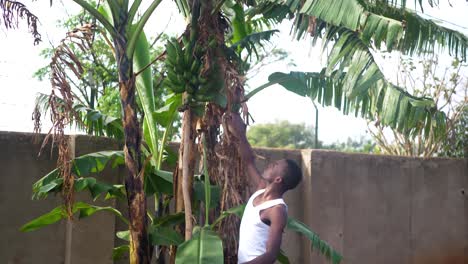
x: 239, y: 25
x: 238, y: 210
x: 250, y: 42
x: 60, y: 213
x: 424, y: 35
x: 81, y: 166
x: 158, y: 236
x: 317, y: 243
x: 119, y: 252
x: 165, y: 115
x: 86, y: 210
x: 376, y: 22
x: 205, y: 247
x: 377, y: 100
x: 361, y: 88
x: 199, y: 193
x: 144, y: 87
x: 47, y: 219
x: 159, y: 182
x: 169, y: 220
x: 164, y: 236
x: 97, y: 123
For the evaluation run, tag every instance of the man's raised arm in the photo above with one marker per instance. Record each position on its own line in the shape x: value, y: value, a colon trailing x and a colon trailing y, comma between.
x: 237, y: 128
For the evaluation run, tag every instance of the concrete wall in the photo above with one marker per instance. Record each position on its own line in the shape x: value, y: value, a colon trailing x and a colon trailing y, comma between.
x: 92, y: 239
x: 372, y: 209
x: 386, y: 209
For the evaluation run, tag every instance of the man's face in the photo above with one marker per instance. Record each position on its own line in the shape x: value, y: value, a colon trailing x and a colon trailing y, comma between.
x: 274, y: 170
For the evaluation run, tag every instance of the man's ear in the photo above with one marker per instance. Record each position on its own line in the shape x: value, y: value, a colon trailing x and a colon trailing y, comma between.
x: 278, y: 179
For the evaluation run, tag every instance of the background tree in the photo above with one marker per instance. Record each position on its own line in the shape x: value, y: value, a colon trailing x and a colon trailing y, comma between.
x: 281, y: 134
x: 96, y: 93
x: 456, y: 143
x: 363, y: 145
x: 449, y: 89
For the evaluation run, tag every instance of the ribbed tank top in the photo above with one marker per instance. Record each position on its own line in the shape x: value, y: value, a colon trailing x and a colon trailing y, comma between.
x: 253, y: 233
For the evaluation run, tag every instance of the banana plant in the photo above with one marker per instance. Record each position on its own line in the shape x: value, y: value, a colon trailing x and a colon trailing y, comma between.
x: 125, y: 32
x: 131, y: 49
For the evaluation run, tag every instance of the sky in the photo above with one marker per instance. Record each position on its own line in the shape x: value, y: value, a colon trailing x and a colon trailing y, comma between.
x: 19, y: 59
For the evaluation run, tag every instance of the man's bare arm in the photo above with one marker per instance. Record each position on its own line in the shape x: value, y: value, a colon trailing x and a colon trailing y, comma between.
x: 278, y: 218
x: 237, y: 128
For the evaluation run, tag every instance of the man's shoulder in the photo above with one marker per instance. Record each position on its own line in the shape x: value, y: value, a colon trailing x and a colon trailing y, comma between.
x: 278, y: 211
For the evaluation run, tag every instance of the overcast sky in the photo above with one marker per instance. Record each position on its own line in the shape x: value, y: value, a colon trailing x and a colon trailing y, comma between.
x: 19, y: 59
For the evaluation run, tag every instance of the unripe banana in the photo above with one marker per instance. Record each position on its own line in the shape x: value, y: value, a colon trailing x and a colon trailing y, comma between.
x: 204, y: 97
x: 189, y: 89
x: 171, y: 52
x: 202, y: 80
x: 195, y: 67
x: 194, y: 80
x: 174, y: 87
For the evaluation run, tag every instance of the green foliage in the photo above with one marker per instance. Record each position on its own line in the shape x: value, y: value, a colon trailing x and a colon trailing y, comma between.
x: 250, y: 43
x: 144, y: 87
x: 109, y: 103
x: 60, y: 213
x: 158, y: 236
x: 205, y: 247
x: 362, y: 145
x: 82, y: 166
x: 281, y: 134
x: 317, y: 243
x: 456, y: 144
x: 157, y: 181
x: 97, y: 98
x: 422, y: 35
x: 119, y: 252
x: 365, y: 94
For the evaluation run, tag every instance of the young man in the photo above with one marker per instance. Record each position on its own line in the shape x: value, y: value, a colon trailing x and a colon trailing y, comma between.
x: 265, y: 214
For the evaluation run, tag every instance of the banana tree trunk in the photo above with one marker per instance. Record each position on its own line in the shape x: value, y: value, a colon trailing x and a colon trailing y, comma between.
x: 186, y: 184
x: 186, y: 169
x: 139, y: 244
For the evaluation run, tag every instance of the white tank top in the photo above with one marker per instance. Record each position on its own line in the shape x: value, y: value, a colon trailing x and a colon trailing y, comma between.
x: 253, y: 233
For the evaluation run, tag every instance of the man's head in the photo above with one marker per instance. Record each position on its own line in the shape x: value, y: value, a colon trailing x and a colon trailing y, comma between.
x: 285, y: 172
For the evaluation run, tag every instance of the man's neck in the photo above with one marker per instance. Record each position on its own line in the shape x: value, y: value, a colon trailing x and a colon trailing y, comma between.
x: 272, y: 192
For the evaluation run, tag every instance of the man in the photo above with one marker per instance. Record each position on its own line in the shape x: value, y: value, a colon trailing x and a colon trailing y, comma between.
x: 265, y: 214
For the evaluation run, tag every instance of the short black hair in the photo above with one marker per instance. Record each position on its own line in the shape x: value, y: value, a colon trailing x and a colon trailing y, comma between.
x: 292, y: 175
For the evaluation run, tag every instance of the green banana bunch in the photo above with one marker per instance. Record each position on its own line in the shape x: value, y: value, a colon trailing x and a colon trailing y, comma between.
x: 184, y: 67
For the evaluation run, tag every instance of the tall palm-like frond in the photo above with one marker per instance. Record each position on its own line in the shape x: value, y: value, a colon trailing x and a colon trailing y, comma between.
x: 251, y: 42
x: 355, y: 28
x: 353, y: 82
x: 400, y: 29
x: 422, y: 35
x: 13, y: 11
x: 377, y: 23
